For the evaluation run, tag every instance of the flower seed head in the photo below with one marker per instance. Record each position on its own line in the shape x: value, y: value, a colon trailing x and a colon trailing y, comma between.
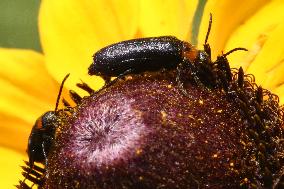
x: 143, y: 132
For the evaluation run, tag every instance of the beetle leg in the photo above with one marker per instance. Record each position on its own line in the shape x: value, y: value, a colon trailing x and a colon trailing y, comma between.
x: 26, y: 172
x: 193, y: 72
x: 67, y: 107
x: 115, y: 80
x: 66, y: 103
x: 30, y: 166
x: 33, y: 174
x: 85, y: 87
x: 179, y: 82
x: 23, y: 185
x: 75, y: 96
x: 107, y: 79
x: 35, y: 167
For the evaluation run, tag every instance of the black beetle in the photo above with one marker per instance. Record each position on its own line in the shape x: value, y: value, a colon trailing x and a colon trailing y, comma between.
x: 43, y: 132
x: 41, y: 138
x: 151, y: 54
x: 139, y: 55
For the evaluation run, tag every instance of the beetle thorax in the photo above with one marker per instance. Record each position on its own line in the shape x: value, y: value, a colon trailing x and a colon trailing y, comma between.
x: 189, y: 51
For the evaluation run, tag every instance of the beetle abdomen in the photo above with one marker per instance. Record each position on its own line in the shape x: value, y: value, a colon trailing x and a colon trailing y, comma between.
x: 139, y: 55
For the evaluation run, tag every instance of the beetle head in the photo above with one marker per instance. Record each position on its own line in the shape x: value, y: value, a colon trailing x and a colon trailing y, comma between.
x: 43, y: 132
x: 95, y: 69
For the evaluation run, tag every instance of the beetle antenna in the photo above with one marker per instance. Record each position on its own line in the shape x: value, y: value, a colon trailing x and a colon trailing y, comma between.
x: 209, y: 29
x: 233, y: 50
x: 60, y: 91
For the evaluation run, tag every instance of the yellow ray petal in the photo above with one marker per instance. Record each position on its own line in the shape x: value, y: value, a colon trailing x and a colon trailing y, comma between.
x: 27, y: 92
x: 280, y: 92
x: 71, y: 31
x: 227, y: 16
x: 166, y: 18
x: 262, y: 24
x: 14, y: 132
x: 28, y: 89
x: 10, y: 162
x: 268, y: 65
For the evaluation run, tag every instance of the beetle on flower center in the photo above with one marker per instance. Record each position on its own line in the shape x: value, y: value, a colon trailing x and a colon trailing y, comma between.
x: 151, y: 54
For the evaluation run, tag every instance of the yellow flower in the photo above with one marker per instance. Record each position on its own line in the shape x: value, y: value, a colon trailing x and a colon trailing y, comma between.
x: 257, y: 26
x: 71, y: 31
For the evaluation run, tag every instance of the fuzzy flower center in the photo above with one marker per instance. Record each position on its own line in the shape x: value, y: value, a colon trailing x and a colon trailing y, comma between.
x: 107, y: 133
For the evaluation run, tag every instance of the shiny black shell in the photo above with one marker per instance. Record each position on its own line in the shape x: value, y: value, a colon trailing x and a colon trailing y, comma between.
x: 41, y: 137
x: 137, y: 55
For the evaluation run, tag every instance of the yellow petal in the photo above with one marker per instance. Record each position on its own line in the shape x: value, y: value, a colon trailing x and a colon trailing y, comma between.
x: 27, y: 92
x: 14, y: 132
x: 28, y: 88
x: 268, y: 65
x: 167, y: 18
x: 71, y: 31
x: 10, y: 162
x: 227, y: 16
x: 262, y: 24
x: 280, y: 92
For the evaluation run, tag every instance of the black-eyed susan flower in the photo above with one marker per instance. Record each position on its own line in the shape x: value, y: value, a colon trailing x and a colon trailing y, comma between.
x: 72, y: 31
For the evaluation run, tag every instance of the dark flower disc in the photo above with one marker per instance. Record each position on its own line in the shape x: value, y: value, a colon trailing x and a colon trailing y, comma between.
x: 143, y: 132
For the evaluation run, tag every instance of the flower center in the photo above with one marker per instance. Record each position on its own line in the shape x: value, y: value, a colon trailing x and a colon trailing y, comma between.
x: 109, y: 133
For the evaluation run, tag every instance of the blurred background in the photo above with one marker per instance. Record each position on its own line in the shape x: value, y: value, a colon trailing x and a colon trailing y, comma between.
x: 18, y: 24
x: 18, y: 29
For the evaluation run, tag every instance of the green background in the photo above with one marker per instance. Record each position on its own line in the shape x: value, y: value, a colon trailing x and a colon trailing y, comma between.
x: 18, y: 24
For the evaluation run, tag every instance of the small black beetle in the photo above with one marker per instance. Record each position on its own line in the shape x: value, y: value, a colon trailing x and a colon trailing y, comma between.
x: 41, y: 139
x: 139, y: 55
x: 145, y: 54
x: 43, y: 132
